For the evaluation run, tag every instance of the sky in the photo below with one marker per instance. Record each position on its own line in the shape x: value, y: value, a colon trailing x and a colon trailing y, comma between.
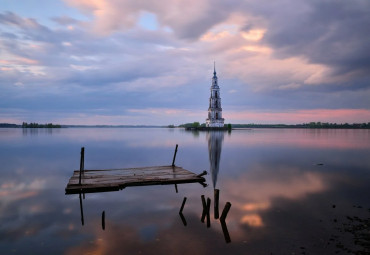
x: 113, y: 62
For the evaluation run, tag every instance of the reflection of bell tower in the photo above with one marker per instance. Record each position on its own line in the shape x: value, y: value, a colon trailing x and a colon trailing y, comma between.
x: 215, y: 111
x: 215, y: 139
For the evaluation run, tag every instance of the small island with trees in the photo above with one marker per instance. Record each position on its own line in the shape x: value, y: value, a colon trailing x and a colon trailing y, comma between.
x: 37, y: 125
x: 30, y: 125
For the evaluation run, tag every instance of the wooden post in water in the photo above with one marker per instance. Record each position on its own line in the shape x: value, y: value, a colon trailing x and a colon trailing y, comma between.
x: 217, y: 198
x: 176, y: 188
x: 174, y: 156
x: 103, y: 220
x: 204, y: 212
x: 203, y: 173
x: 225, y: 211
x: 208, y: 212
x: 82, y: 159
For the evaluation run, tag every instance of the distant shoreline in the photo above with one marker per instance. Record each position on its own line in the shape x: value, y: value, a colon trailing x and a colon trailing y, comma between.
x: 317, y: 125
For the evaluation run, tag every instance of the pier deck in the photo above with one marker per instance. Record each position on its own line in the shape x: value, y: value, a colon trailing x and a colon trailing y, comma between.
x: 117, y: 179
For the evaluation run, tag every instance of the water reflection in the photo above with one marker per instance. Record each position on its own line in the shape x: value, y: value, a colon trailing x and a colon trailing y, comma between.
x: 282, y: 201
x: 36, y: 131
x: 215, y: 139
x: 206, y: 216
x: 82, y: 210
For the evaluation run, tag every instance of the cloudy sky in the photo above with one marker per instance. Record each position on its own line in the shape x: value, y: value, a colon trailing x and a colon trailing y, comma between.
x: 151, y: 62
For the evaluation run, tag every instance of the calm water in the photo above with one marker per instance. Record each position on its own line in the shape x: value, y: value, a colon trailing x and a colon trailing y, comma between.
x: 293, y: 191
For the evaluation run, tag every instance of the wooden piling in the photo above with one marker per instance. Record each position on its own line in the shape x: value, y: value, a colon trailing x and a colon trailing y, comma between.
x: 217, y: 198
x: 183, y: 204
x: 174, y: 156
x: 82, y: 164
x: 103, y: 220
x: 208, y: 212
x: 202, y: 174
x: 225, y: 211
x: 204, y: 212
x: 176, y: 188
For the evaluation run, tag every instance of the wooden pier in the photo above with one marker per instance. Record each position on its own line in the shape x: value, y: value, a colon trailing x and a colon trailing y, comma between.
x: 89, y: 181
x: 117, y: 179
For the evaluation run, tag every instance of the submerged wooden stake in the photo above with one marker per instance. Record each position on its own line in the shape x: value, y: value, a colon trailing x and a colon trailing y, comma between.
x: 82, y: 159
x: 208, y: 212
x: 174, y: 156
x: 183, y: 204
x: 217, y: 196
x: 103, y: 220
x: 202, y: 173
x: 225, y: 211
x: 204, y: 212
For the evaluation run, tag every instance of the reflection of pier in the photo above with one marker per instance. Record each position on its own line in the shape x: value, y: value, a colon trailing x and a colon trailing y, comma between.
x: 215, y: 139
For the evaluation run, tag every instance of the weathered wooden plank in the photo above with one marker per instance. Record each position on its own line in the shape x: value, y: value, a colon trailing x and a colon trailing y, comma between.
x: 116, y: 179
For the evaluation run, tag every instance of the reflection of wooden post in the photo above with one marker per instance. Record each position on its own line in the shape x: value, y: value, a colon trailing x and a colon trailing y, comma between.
x: 225, y: 211
x: 183, y: 204
x: 204, y: 213
x: 82, y: 211
x: 103, y: 220
x: 183, y: 219
x: 225, y: 231
x: 82, y: 159
x: 217, y: 196
x: 208, y: 212
x: 174, y: 156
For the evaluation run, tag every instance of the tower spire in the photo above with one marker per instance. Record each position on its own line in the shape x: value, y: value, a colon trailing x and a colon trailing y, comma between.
x: 214, y: 67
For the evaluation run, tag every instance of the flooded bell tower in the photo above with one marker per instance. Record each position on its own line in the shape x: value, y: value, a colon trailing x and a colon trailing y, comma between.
x: 215, y: 111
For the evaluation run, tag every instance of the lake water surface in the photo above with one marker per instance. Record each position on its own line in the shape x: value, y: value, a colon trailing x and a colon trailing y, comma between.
x: 292, y: 191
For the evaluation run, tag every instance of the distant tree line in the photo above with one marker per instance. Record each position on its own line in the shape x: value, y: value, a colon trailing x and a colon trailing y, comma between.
x: 323, y: 125
x: 194, y: 125
x: 198, y: 125
x: 37, y: 125
x: 8, y: 125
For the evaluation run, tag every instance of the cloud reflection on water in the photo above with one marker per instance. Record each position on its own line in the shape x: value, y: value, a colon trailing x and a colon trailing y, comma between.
x: 277, y: 198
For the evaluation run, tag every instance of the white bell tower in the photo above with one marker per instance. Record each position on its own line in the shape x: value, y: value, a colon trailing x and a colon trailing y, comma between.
x: 215, y: 111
